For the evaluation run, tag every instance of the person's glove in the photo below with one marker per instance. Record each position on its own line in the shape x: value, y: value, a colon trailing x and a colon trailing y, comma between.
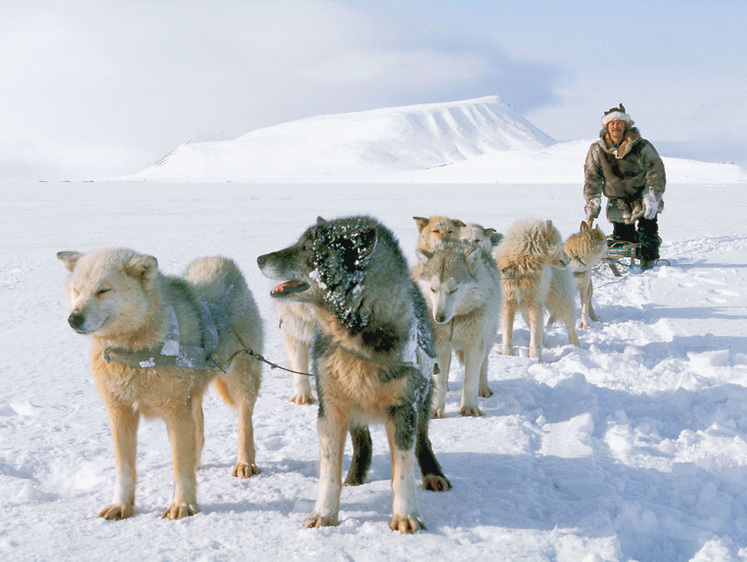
x: 650, y: 204
x: 592, y: 208
x: 636, y: 212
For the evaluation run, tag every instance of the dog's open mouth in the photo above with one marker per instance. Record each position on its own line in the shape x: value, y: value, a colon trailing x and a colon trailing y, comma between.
x: 289, y: 288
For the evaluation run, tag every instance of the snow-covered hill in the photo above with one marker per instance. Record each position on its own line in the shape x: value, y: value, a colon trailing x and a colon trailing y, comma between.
x: 476, y: 141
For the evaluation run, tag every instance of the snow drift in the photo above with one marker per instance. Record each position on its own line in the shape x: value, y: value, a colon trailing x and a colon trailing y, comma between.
x: 475, y: 141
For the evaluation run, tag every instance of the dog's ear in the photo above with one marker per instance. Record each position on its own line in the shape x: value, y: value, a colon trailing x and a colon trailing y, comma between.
x: 320, y: 220
x: 423, y: 256
x: 143, y: 268
x: 458, y: 223
x: 422, y: 222
x: 549, y: 228
x: 69, y: 259
x: 584, y: 226
x: 495, y: 237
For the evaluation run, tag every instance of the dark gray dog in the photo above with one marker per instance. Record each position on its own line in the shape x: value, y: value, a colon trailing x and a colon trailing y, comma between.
x: 372, y: 357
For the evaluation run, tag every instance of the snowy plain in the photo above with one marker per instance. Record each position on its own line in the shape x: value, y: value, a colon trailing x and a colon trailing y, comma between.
x: 631, y: 447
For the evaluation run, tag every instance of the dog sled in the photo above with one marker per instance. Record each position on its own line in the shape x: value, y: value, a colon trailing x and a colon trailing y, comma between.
x: 622, y: 254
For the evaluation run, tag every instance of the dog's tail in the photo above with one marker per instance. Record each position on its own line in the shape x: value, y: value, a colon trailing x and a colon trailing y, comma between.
x: 222, y: 389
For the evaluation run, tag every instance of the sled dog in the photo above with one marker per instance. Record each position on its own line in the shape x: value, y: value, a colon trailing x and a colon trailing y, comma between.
x: 432, y: 232
x: 526, y: 258
x: 298, y: 323
x: 462, y: 286
x: 372, y: 354
x: 486, y: 238
x: 157, y: 342
x: 585, y: 248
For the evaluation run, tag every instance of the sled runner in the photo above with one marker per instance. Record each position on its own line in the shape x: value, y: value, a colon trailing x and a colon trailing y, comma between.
x: 620, y: 250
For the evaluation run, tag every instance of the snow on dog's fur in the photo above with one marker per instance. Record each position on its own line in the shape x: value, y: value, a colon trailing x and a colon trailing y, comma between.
x: 372, y: 355
x: 462, y: 287
x: 585, y: 248
x: 141, y: 324
x: 527, y: 258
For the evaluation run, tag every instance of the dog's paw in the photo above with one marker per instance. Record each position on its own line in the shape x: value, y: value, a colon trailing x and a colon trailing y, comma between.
x: 116, y: 512
x: 315, y: 520
x: 302, y: 399
x: 507, y: 350
x: 471, y: 411
x: 407, y: 524
x: 436, y: 483
x: 243, y: 470
x: 180, y: 511
x: 486, y: 392
x: 437, y: 413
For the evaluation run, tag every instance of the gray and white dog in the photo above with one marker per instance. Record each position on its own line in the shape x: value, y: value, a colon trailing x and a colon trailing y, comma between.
x: 462, y: 287
x: 372, y: 356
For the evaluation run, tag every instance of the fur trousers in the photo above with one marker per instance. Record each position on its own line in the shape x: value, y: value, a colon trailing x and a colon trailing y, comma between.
x: 647, y: 233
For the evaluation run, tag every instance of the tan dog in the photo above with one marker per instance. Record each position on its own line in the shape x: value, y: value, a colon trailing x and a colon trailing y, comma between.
x: 157, y: 343
x: 526, y: 258
x: 585, y: 248
x: 432, y: 232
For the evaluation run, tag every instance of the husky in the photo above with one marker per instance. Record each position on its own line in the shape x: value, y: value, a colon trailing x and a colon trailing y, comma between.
x: 585, y: 248
x: 461, y: 284
x: 526, y: 258
x: 157, y: 342
x: 372, y: 354
x: 432, y: 232
x: 298, y: 323
x: 486, y: 238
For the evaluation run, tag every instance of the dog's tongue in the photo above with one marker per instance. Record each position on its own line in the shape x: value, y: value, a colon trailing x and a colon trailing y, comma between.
x: 290, y: 287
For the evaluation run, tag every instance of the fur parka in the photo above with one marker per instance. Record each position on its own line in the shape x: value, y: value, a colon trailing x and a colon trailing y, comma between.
x: 631, y: 175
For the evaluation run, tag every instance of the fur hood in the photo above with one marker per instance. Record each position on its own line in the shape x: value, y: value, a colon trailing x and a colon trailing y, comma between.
x: 630, y: 139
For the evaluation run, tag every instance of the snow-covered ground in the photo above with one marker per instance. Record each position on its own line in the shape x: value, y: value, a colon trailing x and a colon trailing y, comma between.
x: 632, y: 447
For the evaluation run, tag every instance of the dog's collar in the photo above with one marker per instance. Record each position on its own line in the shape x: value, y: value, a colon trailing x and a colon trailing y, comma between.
x: 509, y: 272
x: 579, y: 260
x: 171, y: 352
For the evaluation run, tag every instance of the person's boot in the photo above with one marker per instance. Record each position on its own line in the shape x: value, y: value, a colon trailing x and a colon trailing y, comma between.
x: 647, y: 264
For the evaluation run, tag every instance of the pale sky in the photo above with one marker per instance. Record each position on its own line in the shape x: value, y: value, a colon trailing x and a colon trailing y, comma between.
x: 98, y: 88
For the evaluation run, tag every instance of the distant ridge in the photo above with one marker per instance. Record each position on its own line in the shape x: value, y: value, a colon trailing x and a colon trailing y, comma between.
x: 369, y: 142
x: 481, y: 140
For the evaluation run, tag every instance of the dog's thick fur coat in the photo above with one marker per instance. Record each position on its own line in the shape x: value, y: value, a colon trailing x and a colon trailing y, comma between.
x: 462, y: 286
x: 585, y: 249
x: 127, y: 307
x: 372, y: 355
x: 526, y: 258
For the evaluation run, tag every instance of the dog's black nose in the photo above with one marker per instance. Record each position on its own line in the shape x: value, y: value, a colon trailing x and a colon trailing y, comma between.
x: 261, y: 260
x: 76, y: 320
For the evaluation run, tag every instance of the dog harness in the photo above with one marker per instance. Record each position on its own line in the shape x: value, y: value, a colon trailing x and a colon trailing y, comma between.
x: 171, y: 352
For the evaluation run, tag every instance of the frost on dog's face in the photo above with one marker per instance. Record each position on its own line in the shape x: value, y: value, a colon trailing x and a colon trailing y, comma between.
x: 106, y: 290
x: 326, y: 267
